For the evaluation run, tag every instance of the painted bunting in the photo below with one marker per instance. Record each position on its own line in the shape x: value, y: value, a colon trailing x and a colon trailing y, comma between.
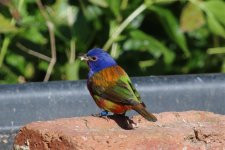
x: 110, y: 86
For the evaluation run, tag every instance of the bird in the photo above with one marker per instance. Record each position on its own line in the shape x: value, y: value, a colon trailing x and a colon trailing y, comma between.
x: 110, y: 86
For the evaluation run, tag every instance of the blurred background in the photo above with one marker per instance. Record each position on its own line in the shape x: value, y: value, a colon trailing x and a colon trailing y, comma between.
x: 40, y: 40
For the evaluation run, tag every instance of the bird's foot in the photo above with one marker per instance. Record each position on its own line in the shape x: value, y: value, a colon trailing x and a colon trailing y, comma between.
x: 103, y: 114
x: 131, y: 123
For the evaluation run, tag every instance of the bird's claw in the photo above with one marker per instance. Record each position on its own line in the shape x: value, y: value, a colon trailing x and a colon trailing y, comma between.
x: 132, y: 124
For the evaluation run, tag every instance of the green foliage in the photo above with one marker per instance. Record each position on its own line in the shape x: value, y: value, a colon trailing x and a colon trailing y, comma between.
x: 191, y: 18
x: 147, y: 37
x: 171, y: 26
x: 5, y: 25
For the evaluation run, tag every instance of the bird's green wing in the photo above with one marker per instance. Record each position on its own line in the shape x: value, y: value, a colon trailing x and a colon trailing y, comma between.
x: 118, y: 89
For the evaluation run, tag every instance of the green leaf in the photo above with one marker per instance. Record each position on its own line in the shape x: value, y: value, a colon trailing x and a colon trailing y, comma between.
x: 215, y: 26
x: 215, y: 16
x: 146, y: 63
x: 216, y: 50
x: 36, y: 21
x: 101, y: 3
x: 216, y: 7
x: 29, y: 70
x: 115, y: 6
x: 16, y: 61
x: 71, y: 15
x: 6, y: 26
x: 72, y: 70
x: 150, y: 2
x: 92, y: 12
x: 140, y: 40
x: 197, y: 61
x: 223, y: 67
x: 34, y: 35
x: 112, y: 27
x: 136, y: 23
x: 62, y: 13
x: 191, y: 18
x: 4, y: 49
x: 7, y: 75
x: 43, y: 65
x: 171, y: 26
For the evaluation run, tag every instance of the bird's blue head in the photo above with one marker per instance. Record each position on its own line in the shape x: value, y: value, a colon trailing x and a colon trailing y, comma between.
x: 97, y: 60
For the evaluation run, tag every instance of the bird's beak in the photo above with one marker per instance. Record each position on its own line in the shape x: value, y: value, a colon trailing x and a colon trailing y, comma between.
x: 84, y: 57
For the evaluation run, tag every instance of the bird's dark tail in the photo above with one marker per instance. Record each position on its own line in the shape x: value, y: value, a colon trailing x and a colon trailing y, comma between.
x: 140, y: 108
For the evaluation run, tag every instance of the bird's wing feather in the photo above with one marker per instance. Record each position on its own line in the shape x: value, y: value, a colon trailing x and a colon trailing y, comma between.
x: 114, y: 84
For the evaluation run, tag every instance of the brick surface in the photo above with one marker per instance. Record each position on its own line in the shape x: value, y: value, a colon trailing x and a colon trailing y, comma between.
x: 173, y: 130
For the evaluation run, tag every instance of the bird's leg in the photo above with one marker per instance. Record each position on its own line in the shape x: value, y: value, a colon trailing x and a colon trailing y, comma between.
x: 102, y: 114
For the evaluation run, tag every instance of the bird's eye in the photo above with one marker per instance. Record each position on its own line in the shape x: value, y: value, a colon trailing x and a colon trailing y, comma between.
x: 94, y: 58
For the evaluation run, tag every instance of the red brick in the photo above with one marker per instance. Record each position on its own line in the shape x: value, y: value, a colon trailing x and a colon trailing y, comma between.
x: 173, y: 130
